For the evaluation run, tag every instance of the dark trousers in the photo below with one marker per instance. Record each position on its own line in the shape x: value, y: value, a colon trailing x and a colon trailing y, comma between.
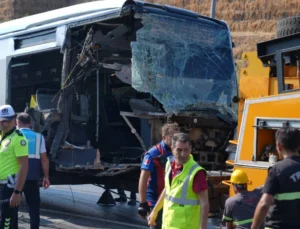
x: 123, y: 195
x: 32, y: 196
x: 158, y: 220
x: 9, y: 216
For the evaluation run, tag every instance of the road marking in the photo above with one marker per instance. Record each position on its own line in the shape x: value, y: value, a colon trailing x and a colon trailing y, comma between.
x: 74, y: 191
x: 96, y: 219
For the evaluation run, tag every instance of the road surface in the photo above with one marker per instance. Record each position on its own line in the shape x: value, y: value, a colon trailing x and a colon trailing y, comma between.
x: 73, y: 207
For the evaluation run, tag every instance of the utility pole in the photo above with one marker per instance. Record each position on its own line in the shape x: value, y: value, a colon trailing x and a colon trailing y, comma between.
x: 213, y: 8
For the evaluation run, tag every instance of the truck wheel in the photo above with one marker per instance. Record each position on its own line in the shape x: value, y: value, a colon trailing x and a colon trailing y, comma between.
x: 288, y: 26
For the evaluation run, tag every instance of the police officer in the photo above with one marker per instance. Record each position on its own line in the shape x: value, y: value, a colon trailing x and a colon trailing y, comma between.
x: 151, y: 181
x: 37, y: 157
x: 13, y: 167
x: 185, y: 197
x: 239, y: 209
x: 280, y: 201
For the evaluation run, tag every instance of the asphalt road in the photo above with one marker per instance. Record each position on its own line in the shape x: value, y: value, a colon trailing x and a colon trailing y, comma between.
x: 73, y: 207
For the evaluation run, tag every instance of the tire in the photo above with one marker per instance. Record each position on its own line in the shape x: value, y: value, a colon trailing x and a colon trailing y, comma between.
x: 288, y: 26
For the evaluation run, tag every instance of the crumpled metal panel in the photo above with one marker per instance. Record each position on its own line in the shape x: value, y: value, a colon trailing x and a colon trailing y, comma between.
x: 185, y: 65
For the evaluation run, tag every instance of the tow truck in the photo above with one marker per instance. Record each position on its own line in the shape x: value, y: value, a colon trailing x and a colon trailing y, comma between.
x: 268, y: 99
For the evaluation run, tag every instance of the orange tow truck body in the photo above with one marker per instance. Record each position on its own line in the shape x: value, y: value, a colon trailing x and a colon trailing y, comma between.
x: 269, y: 98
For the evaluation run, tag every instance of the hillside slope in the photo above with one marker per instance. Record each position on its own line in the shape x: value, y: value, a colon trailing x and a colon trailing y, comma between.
x: 11, y: 9
x: 250, y: 21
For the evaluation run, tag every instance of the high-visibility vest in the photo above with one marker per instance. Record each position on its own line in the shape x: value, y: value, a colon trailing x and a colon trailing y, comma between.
x: 181, y: 205
x: 34, y: 153
x: 12, y: 146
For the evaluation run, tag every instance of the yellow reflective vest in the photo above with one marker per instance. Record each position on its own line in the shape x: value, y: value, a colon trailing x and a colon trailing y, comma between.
x: 12, y: 145
x: 181, y: 205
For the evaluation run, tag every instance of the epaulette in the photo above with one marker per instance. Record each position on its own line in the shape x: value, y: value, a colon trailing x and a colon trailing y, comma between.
x: 19, y: 133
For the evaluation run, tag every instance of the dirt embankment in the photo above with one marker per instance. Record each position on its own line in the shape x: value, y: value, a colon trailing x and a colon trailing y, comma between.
x: 10, y: 9
x: 250, y: 21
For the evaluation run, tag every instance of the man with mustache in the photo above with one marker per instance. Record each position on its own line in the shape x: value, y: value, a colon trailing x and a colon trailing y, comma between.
x: 185, y: 197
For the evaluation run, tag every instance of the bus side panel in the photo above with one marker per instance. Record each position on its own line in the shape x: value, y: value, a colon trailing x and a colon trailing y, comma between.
x: 7, y: 48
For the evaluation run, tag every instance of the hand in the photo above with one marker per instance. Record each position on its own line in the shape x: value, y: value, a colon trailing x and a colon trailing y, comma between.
x: 15, y: 200
x: 46, y: 183
x: 152, y: 218
x: 143, y: 210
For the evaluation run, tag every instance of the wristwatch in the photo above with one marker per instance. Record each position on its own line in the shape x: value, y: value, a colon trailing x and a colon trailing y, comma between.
x: 17, y: 192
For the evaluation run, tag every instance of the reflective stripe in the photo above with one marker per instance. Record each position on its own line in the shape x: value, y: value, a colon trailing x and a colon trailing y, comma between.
x: 287, y: 196
x: 242, y: 222
x: 183, y: 200
x: 268, y: 228
x: 11, y: 185
x: 33, y: 156
x: 227, y: 218
x: 11, y: 179
x: 186, y: 182
x: 168, y: 167
x: 37, y: 146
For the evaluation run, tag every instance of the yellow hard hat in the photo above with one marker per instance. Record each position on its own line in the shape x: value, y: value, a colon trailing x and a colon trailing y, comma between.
x: 239, y: 177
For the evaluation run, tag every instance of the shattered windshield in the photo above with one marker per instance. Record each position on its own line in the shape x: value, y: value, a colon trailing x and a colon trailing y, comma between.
x: 185, y: 65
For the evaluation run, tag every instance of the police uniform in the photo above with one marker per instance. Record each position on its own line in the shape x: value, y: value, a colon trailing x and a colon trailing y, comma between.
x: 13, y: 145
x: 36, y: 146
x: 154, y: 161
x: 283, y: 183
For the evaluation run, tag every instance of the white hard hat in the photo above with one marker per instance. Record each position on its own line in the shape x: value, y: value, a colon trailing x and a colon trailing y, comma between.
x: 7, y: 113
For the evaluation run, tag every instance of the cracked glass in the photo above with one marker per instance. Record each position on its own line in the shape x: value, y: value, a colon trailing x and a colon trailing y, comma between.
x: 186, y: 65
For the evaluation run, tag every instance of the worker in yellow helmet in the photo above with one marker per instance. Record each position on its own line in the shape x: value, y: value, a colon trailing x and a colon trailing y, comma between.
x: 239, y: 209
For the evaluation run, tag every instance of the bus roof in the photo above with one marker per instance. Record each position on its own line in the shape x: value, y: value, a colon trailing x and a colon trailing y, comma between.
x: 58, y: 15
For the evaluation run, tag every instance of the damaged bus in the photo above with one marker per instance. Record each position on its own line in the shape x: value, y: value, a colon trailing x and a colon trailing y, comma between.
x: 99, y: 79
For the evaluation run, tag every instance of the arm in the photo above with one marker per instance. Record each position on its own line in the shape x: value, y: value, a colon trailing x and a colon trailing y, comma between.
x: 271, y: 187
x: 20, y: 147
x: 227, y: 214
x: 230, y: 225
x: 145, y: 174
x: 146, y: 169
x: 204, y: 203
x: 159, y: 205
x: 262, y: 210
x: 22, y: 174
x: 160, y: 202
x: 15, y: 199
x: 45, y: 164
x: 200, y: 187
